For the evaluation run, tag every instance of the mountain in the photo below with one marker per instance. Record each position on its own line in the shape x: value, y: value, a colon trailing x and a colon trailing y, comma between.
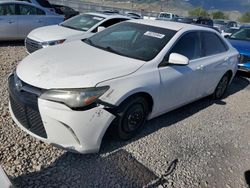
x: 227, y: 5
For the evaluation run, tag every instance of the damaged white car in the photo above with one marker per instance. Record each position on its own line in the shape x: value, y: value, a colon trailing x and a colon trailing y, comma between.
x: 69, y: 95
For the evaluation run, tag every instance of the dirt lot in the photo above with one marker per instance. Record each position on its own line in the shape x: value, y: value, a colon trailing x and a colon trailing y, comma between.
x: 204, y: 144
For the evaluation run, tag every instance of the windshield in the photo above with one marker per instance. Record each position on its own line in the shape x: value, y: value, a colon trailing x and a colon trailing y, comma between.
x: 132, y: 40
x: 82, y: 22
x: 242, y: 34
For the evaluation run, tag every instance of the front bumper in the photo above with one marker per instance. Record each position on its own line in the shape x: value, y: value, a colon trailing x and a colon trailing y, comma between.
x: 57, y: 124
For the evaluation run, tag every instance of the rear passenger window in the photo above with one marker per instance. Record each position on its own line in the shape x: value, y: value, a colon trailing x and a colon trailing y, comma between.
x: 188, y: 45
x: 212, y: 44
x: 6, y: 10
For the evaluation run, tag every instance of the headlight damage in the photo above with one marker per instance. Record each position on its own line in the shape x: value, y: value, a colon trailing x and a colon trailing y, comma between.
x: 75, y: 98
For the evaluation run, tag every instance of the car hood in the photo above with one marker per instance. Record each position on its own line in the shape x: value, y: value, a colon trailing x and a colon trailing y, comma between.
x: 242, y: 46
x: 74, y: 65
x: 54, y: 32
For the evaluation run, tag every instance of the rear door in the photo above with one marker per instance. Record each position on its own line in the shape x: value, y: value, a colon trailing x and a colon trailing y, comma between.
x: 214, y: 60
x: 8, y: 22
x: 30, y: 17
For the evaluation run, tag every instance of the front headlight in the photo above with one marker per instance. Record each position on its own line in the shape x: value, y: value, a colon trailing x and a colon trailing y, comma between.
x: 75, y: 98
x: 52, y: 43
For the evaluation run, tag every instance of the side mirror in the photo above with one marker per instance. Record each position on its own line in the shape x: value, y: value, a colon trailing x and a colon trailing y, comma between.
x: 100, y: 28
x: 178, y: 59
x: 226, y: 36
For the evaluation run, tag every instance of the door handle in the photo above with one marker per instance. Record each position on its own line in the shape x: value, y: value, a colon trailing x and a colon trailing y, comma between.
x: 200, y: 67
x: 40, y: 21
x: 10, y: 21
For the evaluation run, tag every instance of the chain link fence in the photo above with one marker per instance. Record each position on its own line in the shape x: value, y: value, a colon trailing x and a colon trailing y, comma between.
x: 86, y: 7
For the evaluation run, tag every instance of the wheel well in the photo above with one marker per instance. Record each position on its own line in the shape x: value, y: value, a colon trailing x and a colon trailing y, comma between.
x: 146, y: 96
x: 230, y: 73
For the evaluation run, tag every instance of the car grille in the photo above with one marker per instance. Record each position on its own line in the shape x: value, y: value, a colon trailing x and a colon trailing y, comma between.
x: 32, y: 45
x: 25, y: 108
x: 244, y: 59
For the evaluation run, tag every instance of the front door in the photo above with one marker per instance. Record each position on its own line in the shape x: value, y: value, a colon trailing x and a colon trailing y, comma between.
x: 181, y: 84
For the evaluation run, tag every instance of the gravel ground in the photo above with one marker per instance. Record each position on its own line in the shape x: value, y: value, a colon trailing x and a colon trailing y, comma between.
x: 204, y: 144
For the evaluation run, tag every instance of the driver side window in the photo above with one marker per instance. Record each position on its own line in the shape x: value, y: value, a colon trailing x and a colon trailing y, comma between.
x: 188, y: 45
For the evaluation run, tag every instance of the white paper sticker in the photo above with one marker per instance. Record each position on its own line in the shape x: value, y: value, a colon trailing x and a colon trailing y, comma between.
x: 155, y: 35
x: 98, y: 18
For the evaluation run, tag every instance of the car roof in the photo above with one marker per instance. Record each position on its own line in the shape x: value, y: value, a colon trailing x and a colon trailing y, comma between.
x: 18, y: 2
x: 107, y: 15
x: 170, y: 25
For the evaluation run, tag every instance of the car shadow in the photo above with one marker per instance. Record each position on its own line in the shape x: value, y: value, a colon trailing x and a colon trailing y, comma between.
x: 118, y: 169
x: 247, y: 178
x: 113, y: 166
x: 12, y: 43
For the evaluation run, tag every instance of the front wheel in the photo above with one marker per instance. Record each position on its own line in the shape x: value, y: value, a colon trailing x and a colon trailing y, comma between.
x: 221, y: 87
x: 132, y: 116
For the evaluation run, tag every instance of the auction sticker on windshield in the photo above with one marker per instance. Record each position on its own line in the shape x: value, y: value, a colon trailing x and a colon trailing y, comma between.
x: 154, y: 34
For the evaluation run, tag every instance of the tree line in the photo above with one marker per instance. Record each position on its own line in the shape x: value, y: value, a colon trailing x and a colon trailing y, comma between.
x: 199, y: 11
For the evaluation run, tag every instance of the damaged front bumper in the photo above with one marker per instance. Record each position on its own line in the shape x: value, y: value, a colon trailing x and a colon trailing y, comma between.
x: 55, y: 123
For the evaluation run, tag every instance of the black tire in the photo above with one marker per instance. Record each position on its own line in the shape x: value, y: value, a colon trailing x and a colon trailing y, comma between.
x: 222, y: 86
x: 132, y: 116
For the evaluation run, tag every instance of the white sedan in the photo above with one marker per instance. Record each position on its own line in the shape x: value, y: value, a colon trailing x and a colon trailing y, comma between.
x: 18, y: 19
x: 76, y: 28
x: 70, y: 94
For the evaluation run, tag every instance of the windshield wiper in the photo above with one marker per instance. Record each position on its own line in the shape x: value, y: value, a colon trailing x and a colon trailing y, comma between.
x: 110, y: 49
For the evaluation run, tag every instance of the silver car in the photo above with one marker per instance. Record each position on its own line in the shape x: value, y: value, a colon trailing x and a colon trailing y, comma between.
x: 17, y: 19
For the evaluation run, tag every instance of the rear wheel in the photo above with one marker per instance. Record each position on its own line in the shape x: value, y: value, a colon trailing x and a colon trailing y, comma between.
x: 222, y: 86
x: 132, y: 116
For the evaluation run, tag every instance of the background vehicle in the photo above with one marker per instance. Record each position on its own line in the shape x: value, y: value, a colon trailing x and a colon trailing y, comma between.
x: 78, y: 27
x: 204, y: 21
x: 166, y: 16
x: 120, y: 77
x: 17, y: 19
x: 184, y: 20
x: 224, y: 24
x: 41, y: 3
x: 68, y: 12
x: 241, y: 41
x: 229, y: 31
x: 133, y: 15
